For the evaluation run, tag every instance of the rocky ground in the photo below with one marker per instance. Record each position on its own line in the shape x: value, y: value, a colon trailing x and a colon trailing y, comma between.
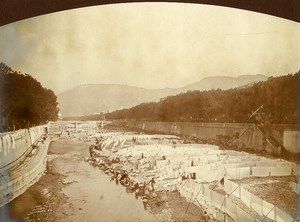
x: 176, y: 208
x: 40, y: 202
x: 73, y: 190
x: 275, y: 190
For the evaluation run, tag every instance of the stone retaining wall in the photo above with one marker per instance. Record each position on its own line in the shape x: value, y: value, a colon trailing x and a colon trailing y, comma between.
x: 249, y: 135
x: 23, y: 160
x: 14, y: 145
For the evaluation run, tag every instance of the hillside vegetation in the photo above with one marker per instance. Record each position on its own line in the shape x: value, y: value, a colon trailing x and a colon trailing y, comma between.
x: 97, y: 98
x: 24, y: 101
x: 277, y: 97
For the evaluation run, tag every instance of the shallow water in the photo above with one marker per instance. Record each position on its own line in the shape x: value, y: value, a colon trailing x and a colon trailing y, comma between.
x: 99, y: 199
x: 89, y: 195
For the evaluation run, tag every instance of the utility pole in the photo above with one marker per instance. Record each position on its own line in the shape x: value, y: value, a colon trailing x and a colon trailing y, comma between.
x: 259, y: 108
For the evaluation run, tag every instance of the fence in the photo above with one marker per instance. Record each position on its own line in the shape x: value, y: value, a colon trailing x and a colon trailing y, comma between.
x: 208, y: 173
x: 262, y: 207
x: 295, y: 187
x: 220, y: 207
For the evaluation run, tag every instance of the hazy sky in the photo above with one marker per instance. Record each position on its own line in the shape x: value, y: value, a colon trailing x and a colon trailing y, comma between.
x: 151, y: 45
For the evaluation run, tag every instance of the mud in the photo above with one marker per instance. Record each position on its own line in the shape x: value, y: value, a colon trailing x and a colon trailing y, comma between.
x: 72, y: 190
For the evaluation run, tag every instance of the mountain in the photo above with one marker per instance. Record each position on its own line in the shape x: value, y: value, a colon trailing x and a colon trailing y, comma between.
x: 95, y: 98
x: 275, y: 101
x: 224, y: 82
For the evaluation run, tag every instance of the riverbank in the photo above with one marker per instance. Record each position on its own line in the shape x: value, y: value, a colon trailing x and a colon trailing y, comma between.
x: 189, y: 179
x: 198, y: 172
x: 72, y: 190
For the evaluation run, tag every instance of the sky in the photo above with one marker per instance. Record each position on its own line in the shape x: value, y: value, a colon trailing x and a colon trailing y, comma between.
x: 149, y: 45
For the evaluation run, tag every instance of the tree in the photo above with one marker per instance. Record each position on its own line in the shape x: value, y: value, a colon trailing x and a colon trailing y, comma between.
x: 278, y: 95
x: 24, y: 101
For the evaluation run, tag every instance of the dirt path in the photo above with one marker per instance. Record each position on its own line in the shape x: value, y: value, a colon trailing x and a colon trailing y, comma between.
x: 72, y: 190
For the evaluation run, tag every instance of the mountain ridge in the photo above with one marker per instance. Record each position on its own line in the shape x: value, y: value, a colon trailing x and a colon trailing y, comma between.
x: 92, y: 98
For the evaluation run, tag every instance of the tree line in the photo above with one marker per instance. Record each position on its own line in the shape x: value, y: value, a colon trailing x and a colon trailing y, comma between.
x: 24, y: 101
x: 275, y: 101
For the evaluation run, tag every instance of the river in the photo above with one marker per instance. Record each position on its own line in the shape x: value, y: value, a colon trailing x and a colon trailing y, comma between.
x: 73, y: 190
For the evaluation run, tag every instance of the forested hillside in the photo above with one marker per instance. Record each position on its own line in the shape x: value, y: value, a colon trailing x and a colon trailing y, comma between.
x: 24, y: 101
x: 95, y: 98
x: 277, y: 98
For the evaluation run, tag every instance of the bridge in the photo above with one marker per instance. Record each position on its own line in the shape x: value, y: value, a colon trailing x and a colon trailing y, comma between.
x: 23, y: 155
x: 59, y: 126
